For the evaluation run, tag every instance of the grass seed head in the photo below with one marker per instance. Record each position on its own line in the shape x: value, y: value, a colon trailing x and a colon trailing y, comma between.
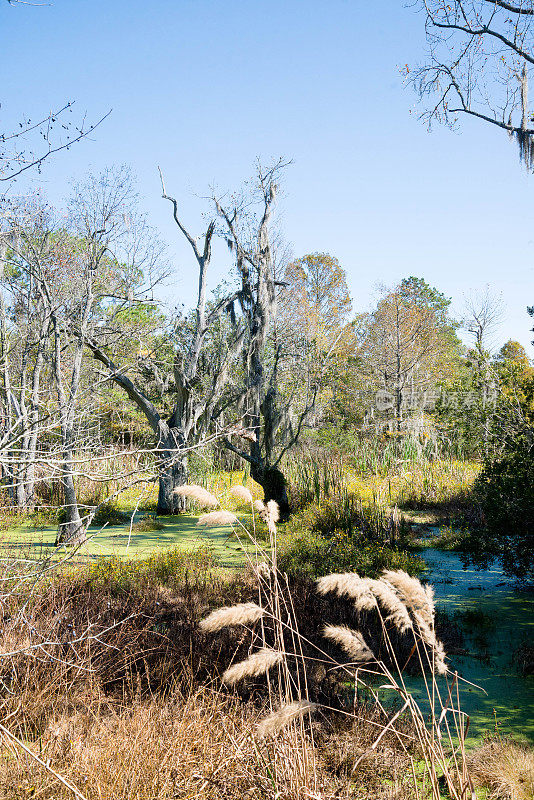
x: 197, y: 493
x: 217, y: 518
x: 415, y: 596
x: 256, y: 664
x: 352, y: 642
x: 242, y: 494
x: 389, y: 600
x: 240, y: 614
x: 281, y: 718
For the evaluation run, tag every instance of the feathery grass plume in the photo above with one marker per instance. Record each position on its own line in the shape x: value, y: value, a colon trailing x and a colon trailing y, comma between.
x: 280, y: 719
x: 351, y: 585
x: 241, y: 493
x: 418, y: 598
x: 259, y: 506
x: 439, y: 658
x: 429, y: 638
x: 273, y: 510
x: 217, y: 518
x: 338, y: 582
x: 240, y: 614
x: 351, y: 641
x: 256, y: 664
x: 385, y: 594
x: 198, y: 494
x: 262, y: 569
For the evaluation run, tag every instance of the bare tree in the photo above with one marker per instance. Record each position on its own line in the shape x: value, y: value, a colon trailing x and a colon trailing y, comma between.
x: 483, y: 314
x: 479, y: 56
x: 265, y: 414
x: 66, y: 277
x: 195, y: 395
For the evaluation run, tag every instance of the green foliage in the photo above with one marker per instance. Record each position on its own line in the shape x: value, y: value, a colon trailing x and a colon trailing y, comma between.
x: 108, y: 513
x: 346, y: 512
x: 164, y: 568
x: 505, y: 491
x: 309, y: 553
x: 147, y: 523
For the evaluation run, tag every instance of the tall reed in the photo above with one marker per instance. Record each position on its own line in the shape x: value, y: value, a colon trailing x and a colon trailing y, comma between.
x: 435, y: 746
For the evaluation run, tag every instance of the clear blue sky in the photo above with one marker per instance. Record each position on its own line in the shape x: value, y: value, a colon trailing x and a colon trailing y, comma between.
x: 203, y: 87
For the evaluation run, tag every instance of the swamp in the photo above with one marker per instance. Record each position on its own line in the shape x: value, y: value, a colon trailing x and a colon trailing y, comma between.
x: 266, y: 422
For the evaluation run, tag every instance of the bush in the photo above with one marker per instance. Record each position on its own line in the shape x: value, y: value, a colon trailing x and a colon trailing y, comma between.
x: 163, y: 568
x: 108, y: 513
x: 505, y: 492
x: 147, y: 523
x: 310, y: 554
x: 346, y: 512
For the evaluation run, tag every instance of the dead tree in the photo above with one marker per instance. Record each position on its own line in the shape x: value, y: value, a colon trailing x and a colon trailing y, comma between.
x: 273, y: 427
x: 194, y: 401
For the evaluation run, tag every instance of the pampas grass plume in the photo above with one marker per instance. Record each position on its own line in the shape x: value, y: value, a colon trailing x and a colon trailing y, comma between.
x: 339, y: 582
x: 256, y: 664
x: 352, y: 642
x: 198, y: 494
x: 273, y: 510
x: 351, y: 585
x: 217, y: 518
x: 259, y: 506
x: 240, y: 614
x: 418, y: 598
x: 389, y: 600
x: 280, y: 719
x: 241, y: 493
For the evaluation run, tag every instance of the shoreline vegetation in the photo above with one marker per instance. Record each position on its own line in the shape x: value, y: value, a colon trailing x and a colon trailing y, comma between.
x: 130, y: 656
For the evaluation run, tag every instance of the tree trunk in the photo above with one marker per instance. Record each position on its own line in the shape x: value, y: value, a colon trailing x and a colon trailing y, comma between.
x: 274, y: 486
x: 72, y: 530
x: 172, y: 469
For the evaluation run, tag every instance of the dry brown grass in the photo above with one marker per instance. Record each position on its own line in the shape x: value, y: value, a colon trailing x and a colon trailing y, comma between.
x: 505, y: 768
x: 202, y: 745
x: 116, y: 688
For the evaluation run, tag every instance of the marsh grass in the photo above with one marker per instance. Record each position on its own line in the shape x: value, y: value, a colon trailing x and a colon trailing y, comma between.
x: 403, y: 606
x: 116, y: 685
x: 505, y: 768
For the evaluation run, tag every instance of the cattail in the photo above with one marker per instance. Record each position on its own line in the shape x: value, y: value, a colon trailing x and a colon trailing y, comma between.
x: 240, y: 614
x: 241, y: 493
x: 351, y: 641
x: 259, y: 506
x: 256, y: 664
x: 217, y: 518
x: 351, y: 585
x: 280, y: 719
x: 198, y: 494
x: 418, y: 598
x: 398, y: 613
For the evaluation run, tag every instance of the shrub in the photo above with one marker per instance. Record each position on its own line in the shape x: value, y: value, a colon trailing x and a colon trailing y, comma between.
x: 163, y: 568
x: 108, y: 513
x: 308, y: 553
x: 345, y: 512
x: 147, y: 523
x: 505, y: 768
x: 505, y: 491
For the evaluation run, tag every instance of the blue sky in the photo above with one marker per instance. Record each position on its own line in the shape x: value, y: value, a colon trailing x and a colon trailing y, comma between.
x: 203, y: 87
